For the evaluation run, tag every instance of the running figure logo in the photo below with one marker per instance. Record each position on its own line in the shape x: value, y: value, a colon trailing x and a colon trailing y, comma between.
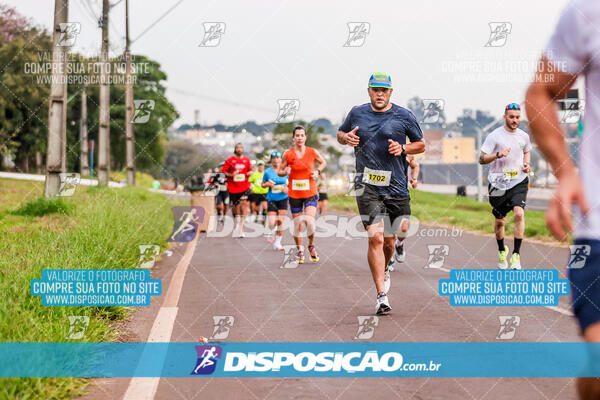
x: 499, y: 32
x: 212, y: 34
x: 77, y: 326
x: 222, y: 326
x: 508, y: 326
x: 287, y: 110
x: 186, y: 223
x: 432, y: 109
x: 148, y: 254
x: 207, y: 359
x: 143, y: 109
x: 354, y: 188
x: 68, y: 183
x: 571, y: 110
x: 68, y: 33
x: 366, y: 326
x: 357, y: 33
x: 579, y: 253
x: 290, y: 256
x: 437, y: 255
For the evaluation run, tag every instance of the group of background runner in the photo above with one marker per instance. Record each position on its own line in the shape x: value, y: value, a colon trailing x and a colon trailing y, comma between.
x: 293, y: 179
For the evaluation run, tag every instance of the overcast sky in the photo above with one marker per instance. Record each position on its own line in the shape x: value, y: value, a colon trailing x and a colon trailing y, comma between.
x: 295, y: 50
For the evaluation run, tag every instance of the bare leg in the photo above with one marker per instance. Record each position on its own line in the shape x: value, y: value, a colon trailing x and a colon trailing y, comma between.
x: 375, y: 255
x: 519, y: 215
x: 499, y: 228
x: 298, y: 229
x: 589, y: 388
x: 310, y: 213
x: 280, y: 217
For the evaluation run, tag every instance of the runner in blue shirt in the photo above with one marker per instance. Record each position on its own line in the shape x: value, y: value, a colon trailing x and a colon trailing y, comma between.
x: 277, y: 200
x: 378, y: 132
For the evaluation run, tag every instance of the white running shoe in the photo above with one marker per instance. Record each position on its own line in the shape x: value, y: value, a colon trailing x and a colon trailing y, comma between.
x: 400, y: 253
x: 391, y: 265
x: 277, y: 246
x: 383, y: 304
x: 387, y: 281
x: 515, y: 261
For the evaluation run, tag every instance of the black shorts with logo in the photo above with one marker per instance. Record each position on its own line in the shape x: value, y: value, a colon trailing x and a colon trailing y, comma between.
x: 222, y: 197
x: 373, y: 207
x: 257, y: 198
x: 503, y: 201
x: 235, y: 198
x: 277, y: 205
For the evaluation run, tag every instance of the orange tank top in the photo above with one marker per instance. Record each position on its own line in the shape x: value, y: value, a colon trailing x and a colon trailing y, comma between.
x: 301, y: 184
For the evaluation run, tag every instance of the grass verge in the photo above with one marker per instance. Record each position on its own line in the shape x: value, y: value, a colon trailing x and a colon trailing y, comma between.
x: 96, y: 228
x: 461, y: 212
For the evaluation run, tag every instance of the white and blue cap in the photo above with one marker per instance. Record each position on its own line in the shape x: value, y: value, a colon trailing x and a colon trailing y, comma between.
x: 380, y: 79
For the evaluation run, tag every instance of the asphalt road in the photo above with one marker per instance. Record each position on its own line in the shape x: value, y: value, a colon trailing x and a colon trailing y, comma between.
x: 243, y: 278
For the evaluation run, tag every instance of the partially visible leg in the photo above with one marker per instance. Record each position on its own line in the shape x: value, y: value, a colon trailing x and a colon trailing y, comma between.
x: 519, y: 215
x: 324, y: 207
x: 499, y: 229
x: 243, y: 211
x: 389, y: 247
x: 589, y: 388
x: 298, y: 229
x: 263, y: 210
x: 310, y: 212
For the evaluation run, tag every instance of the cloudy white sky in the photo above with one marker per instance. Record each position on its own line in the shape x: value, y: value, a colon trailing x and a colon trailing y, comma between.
x: 294, y: 50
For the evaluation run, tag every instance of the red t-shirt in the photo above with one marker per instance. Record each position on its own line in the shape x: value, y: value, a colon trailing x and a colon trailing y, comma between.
x: 237, y: 183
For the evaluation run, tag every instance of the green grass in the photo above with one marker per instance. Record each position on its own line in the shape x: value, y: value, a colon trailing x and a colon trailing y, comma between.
x: 141, y: 179
x: 96, y: 228
x: 461, y: 212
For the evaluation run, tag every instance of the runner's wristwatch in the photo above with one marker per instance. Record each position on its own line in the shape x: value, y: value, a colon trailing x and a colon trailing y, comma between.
x: 403, y: 148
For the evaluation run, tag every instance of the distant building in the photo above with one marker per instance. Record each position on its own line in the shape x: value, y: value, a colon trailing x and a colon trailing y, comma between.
x: 433, y: 149
x: 458, y: 150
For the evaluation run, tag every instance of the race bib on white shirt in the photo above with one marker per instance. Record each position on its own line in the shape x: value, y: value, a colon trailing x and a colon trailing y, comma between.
x: 239, y: 177
x: 222, y: 188
x: 300, y: 184
x: 277, y: 189
x: 510, y: 173
x: 376, y: 177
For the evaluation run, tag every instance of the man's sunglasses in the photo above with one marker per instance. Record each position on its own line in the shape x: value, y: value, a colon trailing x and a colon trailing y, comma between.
x: 513, y: 106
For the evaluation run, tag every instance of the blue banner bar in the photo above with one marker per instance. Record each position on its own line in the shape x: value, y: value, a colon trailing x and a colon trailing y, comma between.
x: 298, y: 359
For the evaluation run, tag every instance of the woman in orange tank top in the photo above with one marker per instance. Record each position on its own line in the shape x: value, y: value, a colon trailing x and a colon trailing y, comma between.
x: 299, y: 163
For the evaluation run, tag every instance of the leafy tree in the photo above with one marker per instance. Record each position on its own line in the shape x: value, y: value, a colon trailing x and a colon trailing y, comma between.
x: 284, y: 131
x: 150, y: 137
x: 23, y: 100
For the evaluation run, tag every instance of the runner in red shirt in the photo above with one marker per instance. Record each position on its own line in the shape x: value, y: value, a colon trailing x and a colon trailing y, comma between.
x: 237, y: 168
x: 299, y: 163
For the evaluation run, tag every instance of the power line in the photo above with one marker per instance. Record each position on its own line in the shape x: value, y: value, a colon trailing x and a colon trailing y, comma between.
x: 216, y: 99
x: 159, y: 18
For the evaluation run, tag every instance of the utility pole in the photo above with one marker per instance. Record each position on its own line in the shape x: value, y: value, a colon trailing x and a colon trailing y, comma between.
x: 84, y: 168
x: 104, y: 128
x: 57, y: 103
x: 129, y: 112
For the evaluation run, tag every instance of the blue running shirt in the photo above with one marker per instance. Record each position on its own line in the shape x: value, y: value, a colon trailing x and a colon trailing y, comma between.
x: 375, y: 166
x: 275, y: 193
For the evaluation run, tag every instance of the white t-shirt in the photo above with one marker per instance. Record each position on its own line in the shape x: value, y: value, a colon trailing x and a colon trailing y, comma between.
x: 574, y: 49
x: 506, y: 172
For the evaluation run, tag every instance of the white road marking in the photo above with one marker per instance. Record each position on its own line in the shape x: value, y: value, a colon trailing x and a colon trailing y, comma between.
x: 144, y: 388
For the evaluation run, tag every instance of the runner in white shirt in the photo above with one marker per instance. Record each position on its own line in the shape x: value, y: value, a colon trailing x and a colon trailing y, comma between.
x: 508, y: 149
x: 573, y: 51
